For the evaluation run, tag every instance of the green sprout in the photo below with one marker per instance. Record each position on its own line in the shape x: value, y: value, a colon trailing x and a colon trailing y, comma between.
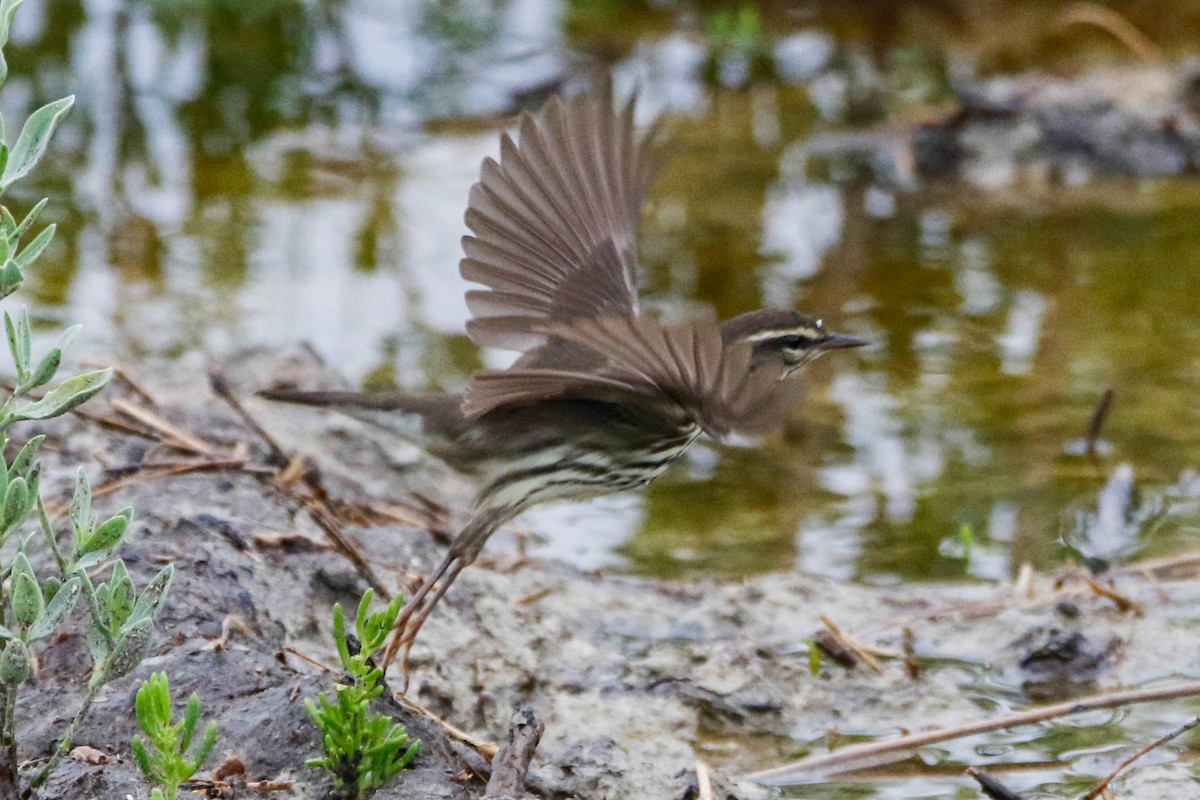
x: 363, y: 749
x: 167, y: 755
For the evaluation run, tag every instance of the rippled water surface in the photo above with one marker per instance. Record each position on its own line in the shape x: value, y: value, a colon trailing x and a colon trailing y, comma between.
x: 241, y: 173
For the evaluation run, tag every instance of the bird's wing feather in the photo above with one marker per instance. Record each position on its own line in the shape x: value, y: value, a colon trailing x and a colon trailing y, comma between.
x: 685, y: 373
x: 553, y: 222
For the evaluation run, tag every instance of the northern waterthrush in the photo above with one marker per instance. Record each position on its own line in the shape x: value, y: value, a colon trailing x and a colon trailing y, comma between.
x: 603, y: 398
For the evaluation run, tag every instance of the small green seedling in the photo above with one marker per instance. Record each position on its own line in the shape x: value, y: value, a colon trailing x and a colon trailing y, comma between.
x: 166, y: 754
x: 363, y: 749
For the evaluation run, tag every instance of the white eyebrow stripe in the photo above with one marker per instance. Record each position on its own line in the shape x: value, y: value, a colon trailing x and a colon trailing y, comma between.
x: 780, y: 332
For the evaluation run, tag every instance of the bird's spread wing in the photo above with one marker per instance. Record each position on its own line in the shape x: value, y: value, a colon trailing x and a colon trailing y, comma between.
x: 554, y: 222
x: 684, y: 373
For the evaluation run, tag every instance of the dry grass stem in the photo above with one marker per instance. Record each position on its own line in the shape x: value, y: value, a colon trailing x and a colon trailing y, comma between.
x: 172, y: 436
x: 485, y: 748
x: 864, y: 653
x: 1102, y: 786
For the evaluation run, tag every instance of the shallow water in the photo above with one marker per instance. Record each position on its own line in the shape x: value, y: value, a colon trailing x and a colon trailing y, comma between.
x: 240, y: 174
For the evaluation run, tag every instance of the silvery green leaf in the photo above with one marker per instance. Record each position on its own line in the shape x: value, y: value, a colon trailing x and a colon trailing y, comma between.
x: 16, y: 504
x: 81, y: 503
x: 107, y: 536
x: 45, y: 369
x: 22, y: 464
x: 11, y: 276
x: 35, y: 248
x: 7, y: 9
x: 50, y: 587
x: 27, y: 603
x: 118, y: 603
x: 25, y: 337
x: 5, y: 633
x: 5, y: 242
x: 58, y: 608
x: 97, y: 647
x: 32, y: 141
x: 14, y: 662
x: 30, y: 218
x: 67, y: 337
x: 131, y: 647
x: 10, y: 332
x: 154, y: 596
x: 8, y: 223
x: 64, y: 397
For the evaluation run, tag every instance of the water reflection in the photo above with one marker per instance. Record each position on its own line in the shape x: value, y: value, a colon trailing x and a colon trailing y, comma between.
x: 261, y: 173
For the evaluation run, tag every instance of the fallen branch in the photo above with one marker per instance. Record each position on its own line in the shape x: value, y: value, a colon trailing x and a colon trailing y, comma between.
x: 512, y: 761
x: 874, y: 753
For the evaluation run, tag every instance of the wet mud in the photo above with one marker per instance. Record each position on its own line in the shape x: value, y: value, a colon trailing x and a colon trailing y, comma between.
x: 635, y: 680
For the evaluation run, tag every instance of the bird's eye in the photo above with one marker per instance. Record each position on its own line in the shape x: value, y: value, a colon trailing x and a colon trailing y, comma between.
x: 792, y: 342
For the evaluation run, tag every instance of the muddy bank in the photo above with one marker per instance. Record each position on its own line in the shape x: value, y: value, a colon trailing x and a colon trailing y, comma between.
x: 1037, y: 129
x: 635, y: 680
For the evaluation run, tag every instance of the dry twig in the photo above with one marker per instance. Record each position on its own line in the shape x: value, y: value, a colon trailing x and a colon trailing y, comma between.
x: 865, y: 653
x: 485, y: 748
x: 867, y: 755
x: 1096, y: 423
x: 1099, y: 788
x: 172, y: 435
x: 511, y: 763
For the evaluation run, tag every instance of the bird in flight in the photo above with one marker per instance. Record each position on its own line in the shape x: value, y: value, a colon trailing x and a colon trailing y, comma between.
x: 603, y: 397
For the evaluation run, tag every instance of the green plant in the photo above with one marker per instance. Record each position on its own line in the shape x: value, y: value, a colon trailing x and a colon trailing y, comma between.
x: 33, y: 606
x: 163, y: 754
x: 363, y: 749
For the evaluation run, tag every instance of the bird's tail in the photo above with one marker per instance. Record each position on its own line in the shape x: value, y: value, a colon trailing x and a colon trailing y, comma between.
x: 425, y: 420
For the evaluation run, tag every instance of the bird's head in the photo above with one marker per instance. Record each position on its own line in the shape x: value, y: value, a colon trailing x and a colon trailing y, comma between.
x: 787, y: 339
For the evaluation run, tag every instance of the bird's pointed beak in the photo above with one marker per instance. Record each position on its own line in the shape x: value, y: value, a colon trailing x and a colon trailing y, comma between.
x: 840, y: 341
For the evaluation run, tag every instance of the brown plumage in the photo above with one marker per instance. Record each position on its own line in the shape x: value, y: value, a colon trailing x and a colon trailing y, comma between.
x: 603, y: 398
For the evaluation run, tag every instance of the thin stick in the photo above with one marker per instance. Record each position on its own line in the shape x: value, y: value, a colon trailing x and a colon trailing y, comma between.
x: 117, y: 425
x: 1123, y: 603
x: 992, y: 787
x: 852, y: 644
x: 703, y: 781
x: 1102, y: 785
x: 123, y: 374
x: 1116, y: 25
x: 220, y: 388
x: 180, y: 468
x: 172, y: 436
x: 485, y: 748
x: 1096, y: 424
x: 866, y: 755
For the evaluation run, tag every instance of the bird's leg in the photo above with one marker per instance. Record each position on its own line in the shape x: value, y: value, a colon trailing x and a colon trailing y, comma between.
x: 400, y: 629
x: 463, y: 550
x: 403, y: 639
